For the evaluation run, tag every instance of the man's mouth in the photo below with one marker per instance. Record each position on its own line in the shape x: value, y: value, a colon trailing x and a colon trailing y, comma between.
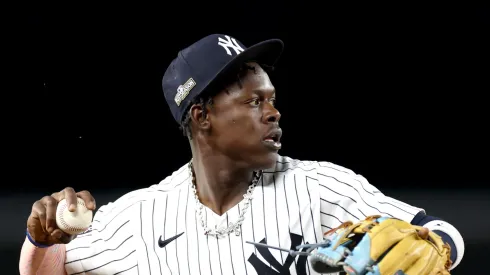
x: 273, y: 139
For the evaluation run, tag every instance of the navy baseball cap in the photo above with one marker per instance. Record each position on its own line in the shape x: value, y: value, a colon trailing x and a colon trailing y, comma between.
x: 201, y: 64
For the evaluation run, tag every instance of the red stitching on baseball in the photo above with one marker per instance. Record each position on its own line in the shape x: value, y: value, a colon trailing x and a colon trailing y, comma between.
x: 63, y: 222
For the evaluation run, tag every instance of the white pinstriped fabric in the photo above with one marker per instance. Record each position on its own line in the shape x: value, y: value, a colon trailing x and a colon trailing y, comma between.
x: 294, y: 203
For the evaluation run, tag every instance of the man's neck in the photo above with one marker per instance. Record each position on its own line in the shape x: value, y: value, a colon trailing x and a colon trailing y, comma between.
x: 220, y: 183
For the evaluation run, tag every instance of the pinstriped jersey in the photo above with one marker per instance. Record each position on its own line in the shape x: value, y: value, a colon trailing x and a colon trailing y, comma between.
x: 294, y: 203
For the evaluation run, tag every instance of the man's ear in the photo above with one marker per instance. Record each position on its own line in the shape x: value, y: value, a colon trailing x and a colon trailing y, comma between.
x: 198, y: 118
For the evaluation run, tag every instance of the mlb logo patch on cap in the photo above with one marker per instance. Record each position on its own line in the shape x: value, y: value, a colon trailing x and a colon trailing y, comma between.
x: 183, y: 90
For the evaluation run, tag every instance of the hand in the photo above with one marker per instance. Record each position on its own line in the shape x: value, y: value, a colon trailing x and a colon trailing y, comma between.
x: 41, y: 223
x: 383, y: 245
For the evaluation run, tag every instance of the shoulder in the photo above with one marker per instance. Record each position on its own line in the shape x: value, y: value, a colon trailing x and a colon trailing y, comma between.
x: 174, y: 181
x: 285, y: 164
x: 132, y: 200
x: 290, y: 166
x: 320, y: 170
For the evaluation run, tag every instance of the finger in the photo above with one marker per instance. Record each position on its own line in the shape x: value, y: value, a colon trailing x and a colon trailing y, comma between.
x: 378, y: 240
x: 403, y: 255
x: 71, y: 198
x: 58, y: 195
x: 428, y: 260
x: 50, y: 205
x: 59, y: 236
x: 39, y: 212
x: 88, y: 199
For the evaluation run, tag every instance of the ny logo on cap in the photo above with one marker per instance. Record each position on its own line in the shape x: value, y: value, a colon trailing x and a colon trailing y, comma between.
x: 229, y: 43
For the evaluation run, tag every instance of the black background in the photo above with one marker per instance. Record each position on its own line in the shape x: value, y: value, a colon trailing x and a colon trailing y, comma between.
x: 395, y: 93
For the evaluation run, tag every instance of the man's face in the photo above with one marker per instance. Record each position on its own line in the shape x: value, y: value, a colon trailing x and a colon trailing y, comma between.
x: 244, y: 122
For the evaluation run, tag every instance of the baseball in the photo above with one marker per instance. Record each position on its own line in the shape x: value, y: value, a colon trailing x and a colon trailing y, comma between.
x: 74, y: 222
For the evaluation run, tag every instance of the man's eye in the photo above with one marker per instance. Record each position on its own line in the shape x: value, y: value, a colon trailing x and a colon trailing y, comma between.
x: 255, y: 102
x: 273, y: 101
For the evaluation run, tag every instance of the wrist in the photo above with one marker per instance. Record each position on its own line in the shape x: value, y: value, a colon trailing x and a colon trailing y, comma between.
x: 33, y: 242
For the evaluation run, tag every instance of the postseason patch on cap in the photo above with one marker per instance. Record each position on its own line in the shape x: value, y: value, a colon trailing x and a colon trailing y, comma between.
x: 183, y: 90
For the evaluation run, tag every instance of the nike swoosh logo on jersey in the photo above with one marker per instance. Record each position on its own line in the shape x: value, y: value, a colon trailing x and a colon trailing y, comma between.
x: 167, y: 241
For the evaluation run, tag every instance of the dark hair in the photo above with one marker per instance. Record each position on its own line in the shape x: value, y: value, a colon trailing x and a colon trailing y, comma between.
x: 206, y: 98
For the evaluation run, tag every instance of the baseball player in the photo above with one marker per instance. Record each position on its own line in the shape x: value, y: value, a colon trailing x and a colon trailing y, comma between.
x: 236, y: 202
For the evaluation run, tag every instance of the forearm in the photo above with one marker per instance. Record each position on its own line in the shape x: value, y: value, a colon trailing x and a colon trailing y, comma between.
x: 42, y: 261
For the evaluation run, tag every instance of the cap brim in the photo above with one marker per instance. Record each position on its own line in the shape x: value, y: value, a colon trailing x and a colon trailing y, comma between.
x: 266, y: 52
